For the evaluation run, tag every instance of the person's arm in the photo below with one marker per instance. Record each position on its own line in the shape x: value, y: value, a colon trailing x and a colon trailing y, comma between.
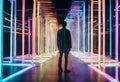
x: 70, y: 40
x: 58, y: 39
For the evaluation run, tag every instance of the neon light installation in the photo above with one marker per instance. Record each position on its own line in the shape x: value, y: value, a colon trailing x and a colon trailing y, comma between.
x: 29, y: 35
x: 15, y: 25
x: 92, y: 31
x: 103, y: 4
x: 116, y: 29
x: 23, y: 29
x: 11, y: 32
x: 1, y: 37
x: 110, y: 27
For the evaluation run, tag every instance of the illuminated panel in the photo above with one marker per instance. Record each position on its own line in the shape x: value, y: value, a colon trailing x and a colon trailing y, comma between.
x: 1, y: 36
x: 116, y: 29
x: 91, y: 31
x: 29, y: 35
x: 11, y: 32
x: 99, y: 30
x: 23, y: 28
x: 15, y: 23
x: 103, y: 4
x: 110, y: 28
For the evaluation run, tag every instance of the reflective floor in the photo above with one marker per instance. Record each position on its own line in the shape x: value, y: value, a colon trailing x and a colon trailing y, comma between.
x: 48, y: 72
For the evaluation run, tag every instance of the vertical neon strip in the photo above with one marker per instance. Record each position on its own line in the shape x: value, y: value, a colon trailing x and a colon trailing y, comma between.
x: 110, y: 28
x: 116, y: 30
x: 103, y: 4
x: 15, y: 25
x: 23, y: 29
x: 29, y: 34
x: 117, y: 72
x: 99, y: 30
x: 84, y: 27
x: 33, y: 28
x: 78, y: 31
x: 91, y: 31
x: 1, y: 38
x: 11, y: 31
x: 38, y: 22
x: 88, y: 28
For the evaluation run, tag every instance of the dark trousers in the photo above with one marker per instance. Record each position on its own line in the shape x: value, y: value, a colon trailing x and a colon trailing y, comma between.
x: 60, y: 61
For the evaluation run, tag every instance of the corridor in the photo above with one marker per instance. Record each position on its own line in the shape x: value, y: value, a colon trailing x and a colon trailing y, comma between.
x: 29, y: 40
x: 48, y: 72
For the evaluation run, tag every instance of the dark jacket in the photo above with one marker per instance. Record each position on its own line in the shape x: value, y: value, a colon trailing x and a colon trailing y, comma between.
x: 64, y: 40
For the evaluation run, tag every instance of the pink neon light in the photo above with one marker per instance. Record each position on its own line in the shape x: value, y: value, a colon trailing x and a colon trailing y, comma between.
x: 91, y: 31
x: 33, y: 28
x: 111, y: 79
x: 103, y: 4
x: 23, y: 28
x: 29, y: 35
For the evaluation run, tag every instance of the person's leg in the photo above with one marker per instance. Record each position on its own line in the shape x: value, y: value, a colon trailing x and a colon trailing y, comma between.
x: 66, y: 61
x: 60, y: 62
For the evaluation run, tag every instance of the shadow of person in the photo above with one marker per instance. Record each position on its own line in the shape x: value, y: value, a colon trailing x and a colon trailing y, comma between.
x: 66, y: 77
x: 60, y: 79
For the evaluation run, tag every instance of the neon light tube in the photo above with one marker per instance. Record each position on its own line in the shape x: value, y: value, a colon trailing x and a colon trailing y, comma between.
x: 91, y: 31
x: 103, y: 4
x: 110, y: 25
x: 78, y: 31
x: 116, y: 29
x: 110, y: 78
x: 88, y: 28
x: 29, y: 36
x: 116, y: 72
x: 11, y: 30
x: 1, y: 38
x: 17, y: 73
x: 11, y: 64
x: 15, y: 23
x: 23, y: 29
x: 84, y: 27
x: 38, y: 20
x: 99, y: 30
x: 33, y: 28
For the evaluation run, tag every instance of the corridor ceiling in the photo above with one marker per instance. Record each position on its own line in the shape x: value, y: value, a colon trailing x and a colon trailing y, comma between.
x: 59, y: 8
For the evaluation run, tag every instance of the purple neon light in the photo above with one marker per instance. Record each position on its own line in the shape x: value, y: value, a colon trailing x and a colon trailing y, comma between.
x: 29, y: 36
x: 116, y: 29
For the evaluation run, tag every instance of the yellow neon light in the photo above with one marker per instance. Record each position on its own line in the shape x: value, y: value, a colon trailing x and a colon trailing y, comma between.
x: 103, y: 4
x: 38, y: 22
x: 99, y: 30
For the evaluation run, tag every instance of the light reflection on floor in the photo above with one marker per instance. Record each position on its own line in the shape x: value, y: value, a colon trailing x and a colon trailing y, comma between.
x: 108, y: 71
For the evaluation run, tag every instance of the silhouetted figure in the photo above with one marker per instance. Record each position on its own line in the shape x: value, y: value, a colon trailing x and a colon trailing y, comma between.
x: 64, y: 46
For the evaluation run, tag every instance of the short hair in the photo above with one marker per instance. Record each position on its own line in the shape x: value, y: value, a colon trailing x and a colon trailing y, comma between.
x: 64, y: 23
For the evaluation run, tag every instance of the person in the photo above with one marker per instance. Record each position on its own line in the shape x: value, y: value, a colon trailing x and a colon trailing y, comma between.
x: 64, y: 46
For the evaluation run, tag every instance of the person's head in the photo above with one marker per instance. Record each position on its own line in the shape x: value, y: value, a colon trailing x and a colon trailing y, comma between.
x: 64, y: 23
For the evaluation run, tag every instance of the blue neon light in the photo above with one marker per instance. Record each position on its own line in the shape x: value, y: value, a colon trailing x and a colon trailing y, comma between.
x: 1, y: 36
x: 16, y: 74
x: 110, y: 28
x: 15, y: 23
